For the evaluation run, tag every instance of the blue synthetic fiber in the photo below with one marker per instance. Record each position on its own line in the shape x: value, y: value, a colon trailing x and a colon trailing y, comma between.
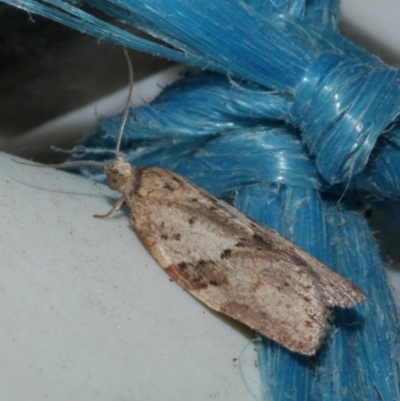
x: 285, y: 52
x: 381, y: 176
x: 203, y: 106
x: 297, y: 109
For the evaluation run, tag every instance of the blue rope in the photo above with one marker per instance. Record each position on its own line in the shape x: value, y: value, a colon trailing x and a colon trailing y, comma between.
x: 335, y: 85
x: 299, y: 126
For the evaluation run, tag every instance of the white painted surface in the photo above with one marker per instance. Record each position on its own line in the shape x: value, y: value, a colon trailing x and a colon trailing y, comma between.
x: 375, y: 25
x: 86, y: 313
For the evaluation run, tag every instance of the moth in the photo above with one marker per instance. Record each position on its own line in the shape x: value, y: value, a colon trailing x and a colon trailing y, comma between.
x: 228, y: 261
x: 225, y: 259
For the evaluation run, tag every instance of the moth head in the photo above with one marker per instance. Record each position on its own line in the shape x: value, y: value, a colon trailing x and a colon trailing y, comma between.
x: 113, y: 180
x: 118, y: 173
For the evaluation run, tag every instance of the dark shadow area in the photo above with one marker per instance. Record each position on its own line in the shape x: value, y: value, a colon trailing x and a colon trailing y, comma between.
x: 47, y: 70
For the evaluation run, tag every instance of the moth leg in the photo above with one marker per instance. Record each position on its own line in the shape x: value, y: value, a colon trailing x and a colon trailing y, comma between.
x: 116, y: 206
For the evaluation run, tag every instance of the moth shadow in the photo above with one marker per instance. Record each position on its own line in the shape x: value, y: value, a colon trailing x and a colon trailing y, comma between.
x: 244, y: 330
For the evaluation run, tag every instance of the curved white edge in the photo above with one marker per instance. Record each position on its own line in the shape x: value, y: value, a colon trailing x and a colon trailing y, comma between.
x: 87, y: 314
x: 373, y: 24
x: 66, y: 130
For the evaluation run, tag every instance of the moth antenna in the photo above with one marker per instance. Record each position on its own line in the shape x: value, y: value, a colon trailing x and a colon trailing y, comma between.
x: 63, y: 165
x: 126, y: 110
x: 120, y: 132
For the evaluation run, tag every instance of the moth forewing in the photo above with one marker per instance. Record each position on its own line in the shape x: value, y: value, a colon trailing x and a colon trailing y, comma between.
x: 231, y: 263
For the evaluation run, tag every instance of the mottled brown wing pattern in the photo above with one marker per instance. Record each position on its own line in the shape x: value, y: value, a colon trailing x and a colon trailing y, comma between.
x: 337, y: 290
x: 233, y: 264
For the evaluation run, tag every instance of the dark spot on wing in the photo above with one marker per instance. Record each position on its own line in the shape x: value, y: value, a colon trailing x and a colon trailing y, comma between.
x: 193, y: 200
x: 213, y: 208
x: 199, y: 283
x: 168, y: 187
x: 198, y: 276
x: 164, y: 236
x: 177, y: 237
x: 182, y: 265
x: 192, y: 220
x: 242, y: 243
x: 226, y: 254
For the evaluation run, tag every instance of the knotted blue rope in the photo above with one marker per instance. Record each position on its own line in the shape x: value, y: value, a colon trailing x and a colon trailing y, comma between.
x: 288, y: 52
x: 298, y: 126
